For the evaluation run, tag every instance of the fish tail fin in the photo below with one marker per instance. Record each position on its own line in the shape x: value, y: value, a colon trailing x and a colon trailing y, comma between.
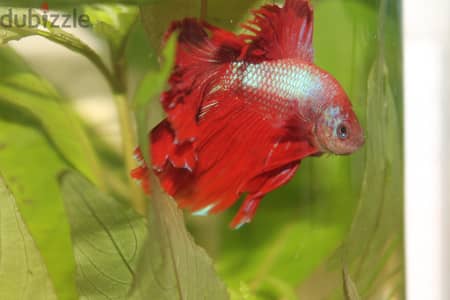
x: 167, y: 150
x: 169, y: 159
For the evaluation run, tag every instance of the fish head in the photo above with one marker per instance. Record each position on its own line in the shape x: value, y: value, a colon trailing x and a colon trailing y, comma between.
x: 338, y: 130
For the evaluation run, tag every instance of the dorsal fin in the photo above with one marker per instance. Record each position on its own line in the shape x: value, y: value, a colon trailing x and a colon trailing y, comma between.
x: 203, y: 52
x: 281, y: 32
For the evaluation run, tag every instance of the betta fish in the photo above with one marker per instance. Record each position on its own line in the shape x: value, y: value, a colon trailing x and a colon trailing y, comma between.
x: 243, y: 110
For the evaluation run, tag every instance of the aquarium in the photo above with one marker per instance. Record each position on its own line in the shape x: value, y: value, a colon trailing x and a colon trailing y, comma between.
x: 82, y: 85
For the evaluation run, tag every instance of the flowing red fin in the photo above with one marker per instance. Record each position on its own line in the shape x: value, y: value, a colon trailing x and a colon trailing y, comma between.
x: 166, y: 149
x: 281, y: 32
x: 265, y: 183
x: 224, y: 158
x: 203, y: 52
x: 240, y: 151
x: 167, y: 156
x: 281, y: 164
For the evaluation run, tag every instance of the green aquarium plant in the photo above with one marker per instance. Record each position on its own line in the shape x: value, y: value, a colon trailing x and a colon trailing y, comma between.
x: 74, y: 225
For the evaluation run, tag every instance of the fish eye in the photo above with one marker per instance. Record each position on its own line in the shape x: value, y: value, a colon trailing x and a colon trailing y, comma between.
x: 342, y: 131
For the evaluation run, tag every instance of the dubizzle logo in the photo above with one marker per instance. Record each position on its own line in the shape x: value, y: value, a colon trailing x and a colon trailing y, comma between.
x: 33, y: 18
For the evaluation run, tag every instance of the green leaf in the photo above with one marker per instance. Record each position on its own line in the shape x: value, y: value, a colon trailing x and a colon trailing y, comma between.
x: 107, y: 237
x: 23, y: 274
x: 243, y: 293
x: 112, y: 21
x: 172, y: 266
x: 19, y: 86
x: 30, y: 165
x: 376, y: 233
x: 155, y: 81
x: 374, y: 248
x: 350, y: 290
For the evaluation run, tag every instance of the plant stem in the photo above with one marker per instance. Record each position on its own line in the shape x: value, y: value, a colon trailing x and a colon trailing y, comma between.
x: 74, y: 44
x: 128, y: 144
x: 129, y: 139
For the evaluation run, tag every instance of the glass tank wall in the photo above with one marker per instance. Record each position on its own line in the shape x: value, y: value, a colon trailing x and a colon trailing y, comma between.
x: 339, y: 221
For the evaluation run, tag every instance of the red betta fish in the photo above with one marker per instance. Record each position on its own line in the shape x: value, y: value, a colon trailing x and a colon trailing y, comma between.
x: 244, y: 110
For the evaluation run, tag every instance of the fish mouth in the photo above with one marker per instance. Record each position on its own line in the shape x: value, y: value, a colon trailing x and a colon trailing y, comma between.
x: 355, y: 145
x: 350, y: 147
